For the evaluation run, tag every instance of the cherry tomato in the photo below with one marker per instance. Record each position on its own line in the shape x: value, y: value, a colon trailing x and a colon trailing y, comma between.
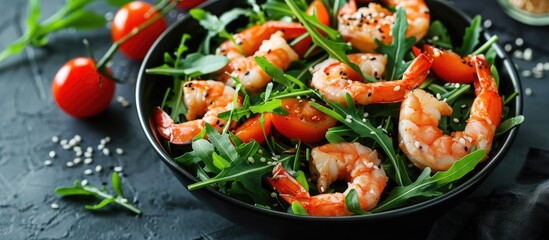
x: 131, y: 16
x: 303, y: 121
x: 317, y: 8
x: 251, y: 129
x: 451, y: 67
x: 188, y: 4
x: 80, y: 90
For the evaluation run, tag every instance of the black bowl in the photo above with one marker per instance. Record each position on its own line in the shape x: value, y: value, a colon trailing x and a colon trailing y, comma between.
x: 410, y: 220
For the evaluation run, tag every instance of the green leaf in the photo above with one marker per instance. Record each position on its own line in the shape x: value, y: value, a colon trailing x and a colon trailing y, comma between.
x: 84, y: 20
x: 117, y: 184
x: 336, y: 49
x: 119, y: 3
x: 471, y: 37
x: 302, y: 179
x: 297, y: 209
x: 193, y: 66
x: 34, y: 16
x: 396, y: 51
x: 277, y: 9
x: 219, y: 161
x: 508, y: 124
x: 439, y: 36
x: 266, y: 106
x: 204, y: 150
x: 221, y: 143
x: 459, y: 169
x: 352, y: 203
x: 72, y: 191
x: 495, y: 74
x: 100, y: 205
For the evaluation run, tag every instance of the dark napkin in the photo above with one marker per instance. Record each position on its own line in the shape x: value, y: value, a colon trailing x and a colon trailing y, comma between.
x: 517, y: 211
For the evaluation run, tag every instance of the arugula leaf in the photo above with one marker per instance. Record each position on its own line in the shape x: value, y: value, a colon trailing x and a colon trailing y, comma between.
x: 439, y: 36
x: 471, y: 37
x: 194, y: 65
x: 222, y: 143
x: 352, y: 203
x: 427, y: 186
x: 508, y: 124
x: 277, y: 9
x: 336, y: 49
x: 214, y: 25
x: 396, y: 51
x: 118, y: 3
x: 90, y: 190
x: 297, y: 209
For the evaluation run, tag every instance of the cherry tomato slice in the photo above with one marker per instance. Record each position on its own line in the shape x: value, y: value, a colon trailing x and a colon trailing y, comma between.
x: 451, y: 67
x: 317, y: 8
x: 81, y: 91
x: 251, y: 129
x: 131, y: 16
x: 303, y: 121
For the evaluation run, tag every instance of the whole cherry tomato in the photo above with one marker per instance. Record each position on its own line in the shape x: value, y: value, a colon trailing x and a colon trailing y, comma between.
x: 451, y: 67
x: 251, y: 129
x: 303, y: 121
x: 131, y: 16
x: 80, y: 90
x: 188, y: 4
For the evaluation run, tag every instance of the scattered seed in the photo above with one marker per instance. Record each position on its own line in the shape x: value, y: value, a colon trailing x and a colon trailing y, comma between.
x: 98, y: 168
x: 456, y: 120
x: 273, y: 194
x: 77, y: 160
x: 528, y: 91
x: 66, y: 147
x: 70, y: 164
x: 106, y: 152
x: 118, y: 169
x: 508, y: 47
x: 526, y: 73
x: 55, y: 139
x: 52, y: 154
x: 396, y: 89
x: 88, y: 172
x: 417, y: 144
x: 262, y: 159
x: 64, y: 142
x: 348, y: 120
x: 519, y: 42
x: 54, y: 206
x: 78, y: 154
x: 438, y: 96
x: 89, y: 149
x: 84, y: 182
x: 528, y: 54
x: 517, y: 54
x: 119, y: 151
x: 88, y: 154
x: 487, y: 23
x: 48, y: 162
x: 463, y: 106
x: 88, y: 161
x: 77, y: 138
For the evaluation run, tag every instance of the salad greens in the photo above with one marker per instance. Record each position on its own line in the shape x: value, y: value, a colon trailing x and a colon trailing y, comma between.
x: 223, y: 161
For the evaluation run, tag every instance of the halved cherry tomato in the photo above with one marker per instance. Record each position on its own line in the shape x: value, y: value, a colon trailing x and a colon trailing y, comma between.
x: 131, y: 16
x: 81, y: 91
x: 317, y: 8
x: 451, y: 67
x: 303, y: 121
x: 251, y: 129
x: 188, y: 4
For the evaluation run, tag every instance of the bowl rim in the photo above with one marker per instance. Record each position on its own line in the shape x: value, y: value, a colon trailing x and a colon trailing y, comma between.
x: 486, y: 169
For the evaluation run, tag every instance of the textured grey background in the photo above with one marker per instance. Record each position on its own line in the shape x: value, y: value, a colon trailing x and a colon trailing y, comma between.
x: 29, y: 118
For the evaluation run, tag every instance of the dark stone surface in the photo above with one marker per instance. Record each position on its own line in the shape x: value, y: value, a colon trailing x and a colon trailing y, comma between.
x: 30, y: 118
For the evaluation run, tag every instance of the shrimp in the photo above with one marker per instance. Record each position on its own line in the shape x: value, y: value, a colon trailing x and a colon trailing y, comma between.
x: 335, y: 79
x: 427, y: 146
x: 361, y: 26
x: 253, y: 78
x: 203, y: 98
x: 351, y: 162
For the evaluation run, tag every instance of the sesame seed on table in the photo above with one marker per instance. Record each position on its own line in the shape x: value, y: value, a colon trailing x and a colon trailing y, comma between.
x: 42, y: 148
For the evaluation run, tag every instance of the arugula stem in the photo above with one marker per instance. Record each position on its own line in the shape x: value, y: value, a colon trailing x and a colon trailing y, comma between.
x: 117, y: 200
x: 486, y: 45
x: 511, y: 97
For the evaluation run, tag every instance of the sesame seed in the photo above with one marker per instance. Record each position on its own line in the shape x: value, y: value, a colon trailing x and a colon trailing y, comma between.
x: 417, y: 144
x: 106, y: 151
x: 251, y: 159
x: 487, y: 23
x: 100, y: 146
x: 72, y: 142
x: 118, y: 169
x: 77, y: 138
x: 98, y: 168
x: 77, y: 160
x: 48, y: 162
x: 70, y: 164
x: 546, y: 66
x: 464, y: 106
x: 445, y: 99
x: 456, y: 120
x: 348, y: 120
x: 119, y: 151
x: 107, y: 139
x: 364, y: 119
x: 55, y: 139
x: 84, y: 182
x: 262, y: 159
x: 348, y: 116
x: 52, y: 154
x: 528, y: 54
x: 396, y: 89
x: 88, y: 172
x: 438, y: 96
x: 67, y: 146
x: 63, y: 142
x: 89, y: 149
x: 462, y: 141
x: 457, y: 85
x: 508, y: 47
x: 528, y: 91
x: 54, y: 206
x: 372, y: 132
x: 372, y: 191
x: 273, y: 194
x: 88, y: 161
x: 517, y: 54
x: 270, y: 163
x: 526, y: 73
x: 366, y: 114
x: 78, y: 154
x: 260, y: 151
x: 436, y: 38
x: 88, y: 154
x: 519, y: 42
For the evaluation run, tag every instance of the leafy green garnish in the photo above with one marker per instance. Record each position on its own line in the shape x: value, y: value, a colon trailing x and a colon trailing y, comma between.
x: 71, y: 15
x: 297, y: 209
x: 427, y: 186
x: 88, y: 190
x: 194, y: 65
x: 335, y: 48
x: 396, y: 51
x: 438, y: 35
x: 471, y: 37
x: 352, y: 203
x: 509, y: 123
x: 216, y: 25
